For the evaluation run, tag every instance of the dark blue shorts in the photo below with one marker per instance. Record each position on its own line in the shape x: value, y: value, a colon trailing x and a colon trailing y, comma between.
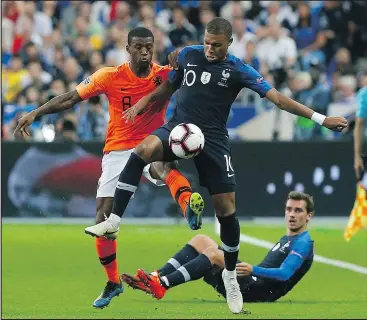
x: 252, y: 290
x: 213, y: 164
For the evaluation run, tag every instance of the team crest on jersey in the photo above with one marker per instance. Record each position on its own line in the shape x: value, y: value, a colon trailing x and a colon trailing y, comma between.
x: 205, y: 77
x: 157, y: 81
x: 86, y: 81
x: 225, y: 76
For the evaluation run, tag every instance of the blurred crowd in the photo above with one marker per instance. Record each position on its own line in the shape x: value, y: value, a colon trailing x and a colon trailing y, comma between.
x: 314, y: 51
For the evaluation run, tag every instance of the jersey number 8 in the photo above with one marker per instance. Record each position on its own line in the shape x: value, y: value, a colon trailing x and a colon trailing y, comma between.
x: 126, y: 103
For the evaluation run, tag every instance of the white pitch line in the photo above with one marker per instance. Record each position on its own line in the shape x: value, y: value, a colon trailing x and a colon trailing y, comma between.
x: 268, y: 245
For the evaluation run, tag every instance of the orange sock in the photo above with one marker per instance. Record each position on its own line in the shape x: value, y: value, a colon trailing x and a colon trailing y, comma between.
x: 106, y: 250
x: 180, y: 188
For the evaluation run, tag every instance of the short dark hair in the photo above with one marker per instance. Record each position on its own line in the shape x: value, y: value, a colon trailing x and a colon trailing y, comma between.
x: 219, y: 26
x: 140, y: 32
x: 295, y: 195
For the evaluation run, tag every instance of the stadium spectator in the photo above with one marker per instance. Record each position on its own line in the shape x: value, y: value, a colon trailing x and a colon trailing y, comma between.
x: 332, y: 17
x: 181, y: 32
x: 309, y: 37
x: 81, y: 49
x: 346, y: 89
x: 162, y: 47
x: 13, y: 79
x: 250, y: 54
x: 146, y: 16
x: 96, y: 61
x: 93, y: 121
x: 357, y: 26
x: 164, y: 17
x: 280, y: 12
x: 67, y: 129
x: 277, y: 52
x: 234, y: 9
x: 37, y: 77
x: 122, y: 15
x: 340, y: 65
x: 309, y: 89
x: 72, y: 71
x: 241, y: 36
x: 117, y: 53
x: 56, y: 44
x: 205, y: 16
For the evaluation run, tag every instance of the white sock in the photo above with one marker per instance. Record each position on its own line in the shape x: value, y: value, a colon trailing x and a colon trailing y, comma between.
x: 231, y: 274
x: 165, y: 280
x: 115, y: 220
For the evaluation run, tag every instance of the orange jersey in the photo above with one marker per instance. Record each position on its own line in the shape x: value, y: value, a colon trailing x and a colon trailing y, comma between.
x: 123, y: 89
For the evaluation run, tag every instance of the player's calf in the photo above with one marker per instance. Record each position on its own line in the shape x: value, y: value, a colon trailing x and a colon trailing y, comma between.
x: 192, y: 204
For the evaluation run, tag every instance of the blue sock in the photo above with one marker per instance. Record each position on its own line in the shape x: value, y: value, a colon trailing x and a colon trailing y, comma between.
x: 192, y: 270
x: 186, y: 254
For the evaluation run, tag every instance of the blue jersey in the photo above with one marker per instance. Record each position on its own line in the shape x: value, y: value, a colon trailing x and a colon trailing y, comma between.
x: 207, y: 90
x: 361, y: 100
x: 286, y: 263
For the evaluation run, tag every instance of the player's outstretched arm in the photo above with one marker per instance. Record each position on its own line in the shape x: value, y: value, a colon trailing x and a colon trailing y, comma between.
x: 161, y: 93
x: 358, y: 135
x: 60, y: 103
x: 285, y: 103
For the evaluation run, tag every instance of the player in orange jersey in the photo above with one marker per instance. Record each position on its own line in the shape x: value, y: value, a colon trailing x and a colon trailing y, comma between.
x: 124, y: 86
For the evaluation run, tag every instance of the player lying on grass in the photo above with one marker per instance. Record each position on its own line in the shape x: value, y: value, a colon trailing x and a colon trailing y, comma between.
x: 124, y: 85
x: 281, y: 269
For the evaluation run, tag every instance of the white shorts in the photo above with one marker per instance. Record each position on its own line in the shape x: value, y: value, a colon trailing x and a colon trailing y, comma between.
x: 112, y: 165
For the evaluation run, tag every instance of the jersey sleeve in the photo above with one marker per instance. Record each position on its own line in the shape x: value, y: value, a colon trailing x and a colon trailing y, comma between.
x: 95, y: 84
x: 361, y: 100
x: 299, y: 251
x: 253, y: 80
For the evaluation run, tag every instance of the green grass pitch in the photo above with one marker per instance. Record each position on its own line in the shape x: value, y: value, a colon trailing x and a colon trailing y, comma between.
x: 51, y: 271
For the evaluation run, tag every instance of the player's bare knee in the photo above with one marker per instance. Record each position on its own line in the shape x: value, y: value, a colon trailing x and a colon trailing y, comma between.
x: 201, y: 242
x: 224, y: 204
x: 144, y: 151
x: 150, y: 149
x: 211, y: 253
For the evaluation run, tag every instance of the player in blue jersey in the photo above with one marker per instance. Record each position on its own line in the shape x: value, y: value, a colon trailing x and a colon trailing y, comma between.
x: 359, y: 129
x: 209, y: 79
x: 281, y: 269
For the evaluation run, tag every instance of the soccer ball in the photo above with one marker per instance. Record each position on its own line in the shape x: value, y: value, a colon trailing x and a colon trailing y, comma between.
x: 186, y: 140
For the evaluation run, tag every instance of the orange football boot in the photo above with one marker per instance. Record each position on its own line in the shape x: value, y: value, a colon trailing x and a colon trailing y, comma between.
x: 134, y: 282
x: 153, y: 282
